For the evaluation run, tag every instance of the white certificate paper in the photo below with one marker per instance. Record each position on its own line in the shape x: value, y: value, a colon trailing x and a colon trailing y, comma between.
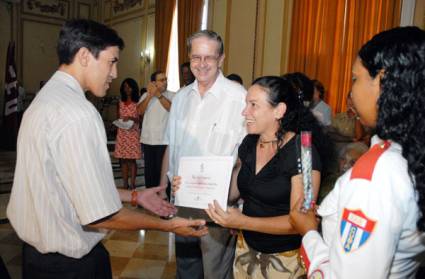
x: 204, y: 179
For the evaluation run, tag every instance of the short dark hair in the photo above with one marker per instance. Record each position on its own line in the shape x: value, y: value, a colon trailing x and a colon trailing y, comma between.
x: 319, y: 87
x: 78, y: 33
x: 134, y: 90
x: 206, y: 34
x: 235, y: 77
x: 154, y: 74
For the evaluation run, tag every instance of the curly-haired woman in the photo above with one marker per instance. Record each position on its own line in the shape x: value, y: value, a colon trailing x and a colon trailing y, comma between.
x: 373, y: 221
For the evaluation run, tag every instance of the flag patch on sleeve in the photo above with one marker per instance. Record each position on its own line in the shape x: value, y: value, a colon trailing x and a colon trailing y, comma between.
x: 355, y: 229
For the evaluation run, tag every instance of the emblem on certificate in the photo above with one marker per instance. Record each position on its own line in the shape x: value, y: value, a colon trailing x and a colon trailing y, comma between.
x: 203, y: 180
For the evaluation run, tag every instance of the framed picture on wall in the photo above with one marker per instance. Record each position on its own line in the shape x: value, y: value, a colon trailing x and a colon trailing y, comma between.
x: 126, y: 6
x: 58, y: 9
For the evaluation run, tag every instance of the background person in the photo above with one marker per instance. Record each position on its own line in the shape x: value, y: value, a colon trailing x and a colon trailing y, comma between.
x: 154, y: 107
x: 320, y: 109
x: 236, y: 78
x: 186, y: 74
x: 346, y: 126
x: 127, y: 147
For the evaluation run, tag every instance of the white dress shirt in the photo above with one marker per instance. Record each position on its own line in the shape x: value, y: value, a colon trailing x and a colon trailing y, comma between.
x: 63, y: 176
x: 211, y: 125
x: 155, y: 120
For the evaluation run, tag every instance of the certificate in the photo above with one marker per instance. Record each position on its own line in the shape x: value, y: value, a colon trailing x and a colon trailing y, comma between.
x: 203, y: 180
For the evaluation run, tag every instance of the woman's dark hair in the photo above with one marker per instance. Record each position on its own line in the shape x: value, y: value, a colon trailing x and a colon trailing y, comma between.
x: 398, y: 55
x: 302, y: 84
x: 78, y: 33
x: 319, y: 87
x: 134, y: 90
x: 297, y: 117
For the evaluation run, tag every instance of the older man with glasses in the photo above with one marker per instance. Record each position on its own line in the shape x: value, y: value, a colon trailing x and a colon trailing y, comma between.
x: 205, y: 120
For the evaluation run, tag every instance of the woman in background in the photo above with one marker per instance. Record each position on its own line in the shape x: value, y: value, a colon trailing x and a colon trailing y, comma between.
x: 127, y: 147
x: 373, y: 221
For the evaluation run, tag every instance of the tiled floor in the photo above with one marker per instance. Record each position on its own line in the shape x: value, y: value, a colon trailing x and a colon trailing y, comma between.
x: 140, y: 254
x: 134, y: 254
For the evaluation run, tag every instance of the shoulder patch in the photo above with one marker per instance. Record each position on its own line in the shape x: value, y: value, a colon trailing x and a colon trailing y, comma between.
x: 365, y: 165
x: 355, y: 229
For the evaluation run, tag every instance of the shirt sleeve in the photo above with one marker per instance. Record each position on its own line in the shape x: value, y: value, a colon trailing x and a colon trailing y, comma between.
x: 84, y: 169
x: 169, y: 95
x: 327, y: 116
x: 366, y: 229
x: 247, y: 143
x: 170, y: 127
x: 142, y: 98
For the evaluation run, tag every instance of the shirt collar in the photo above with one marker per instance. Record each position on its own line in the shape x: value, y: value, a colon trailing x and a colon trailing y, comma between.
x: 70, y: 81
x: 376, y: 140
x: 215, y: 89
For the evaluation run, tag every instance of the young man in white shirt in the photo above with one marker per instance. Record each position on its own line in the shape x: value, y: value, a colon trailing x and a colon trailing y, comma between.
x: 63, y: 196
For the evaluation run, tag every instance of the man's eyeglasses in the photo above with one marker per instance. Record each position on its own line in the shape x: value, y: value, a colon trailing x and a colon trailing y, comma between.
x: 195, y: 59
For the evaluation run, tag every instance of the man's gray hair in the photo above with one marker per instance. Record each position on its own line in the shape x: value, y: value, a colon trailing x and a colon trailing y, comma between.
x: 206, y: 34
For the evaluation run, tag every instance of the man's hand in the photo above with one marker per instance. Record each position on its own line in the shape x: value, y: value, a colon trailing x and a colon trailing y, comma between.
x: 157, y: 93
x: 186, y: 227
x: 303, y: 222
x: 151, y: 200
x: 152, y: 90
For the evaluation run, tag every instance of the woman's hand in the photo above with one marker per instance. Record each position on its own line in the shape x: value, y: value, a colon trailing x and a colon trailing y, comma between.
x: 232, y: 218
x: 175, y: 184
x: 186, y: 227
x: 303, y: 222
